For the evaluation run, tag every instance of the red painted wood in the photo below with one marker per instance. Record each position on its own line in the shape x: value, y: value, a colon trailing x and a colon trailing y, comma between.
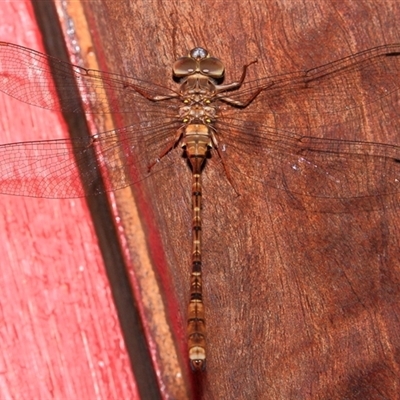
x: 60, y: 336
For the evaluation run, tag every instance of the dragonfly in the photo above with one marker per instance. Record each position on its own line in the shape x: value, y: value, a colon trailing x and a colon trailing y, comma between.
x: 275, y: 131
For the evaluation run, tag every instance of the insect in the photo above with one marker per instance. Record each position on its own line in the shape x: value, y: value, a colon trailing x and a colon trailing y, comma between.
x: 248, y: 125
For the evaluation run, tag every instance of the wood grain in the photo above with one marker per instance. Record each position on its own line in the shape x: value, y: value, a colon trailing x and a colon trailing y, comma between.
x: 60, y: 332
x: 299, y: 304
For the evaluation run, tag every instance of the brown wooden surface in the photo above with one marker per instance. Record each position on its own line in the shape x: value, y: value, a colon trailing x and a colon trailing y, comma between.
x: 299, y: 304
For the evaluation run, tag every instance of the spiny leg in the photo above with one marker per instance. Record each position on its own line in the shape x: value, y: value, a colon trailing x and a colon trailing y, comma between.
x: 167, y: 149
x: 222, y: 89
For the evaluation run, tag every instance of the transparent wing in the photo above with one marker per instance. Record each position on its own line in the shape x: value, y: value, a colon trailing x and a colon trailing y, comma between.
x: 330, y: 89
x: 27, y: 75
x: 49, y: 169
x: 316, y: 173
x: 258, y: 143
x: 288, y: 136
x: 56, y: 168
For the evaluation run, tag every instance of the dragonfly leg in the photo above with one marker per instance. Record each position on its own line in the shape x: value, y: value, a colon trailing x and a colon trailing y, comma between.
x: 148, y: 96
x: 235, y: 85
x: 242, y: 104
x: 228, y: 175
x: 167, y: 149
x: 221, y: 89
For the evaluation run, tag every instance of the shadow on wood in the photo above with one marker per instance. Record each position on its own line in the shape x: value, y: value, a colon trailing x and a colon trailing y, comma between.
x: 299, y: 304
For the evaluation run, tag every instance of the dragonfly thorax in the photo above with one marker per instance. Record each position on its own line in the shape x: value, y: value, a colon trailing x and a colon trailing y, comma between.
x: 197, y: 93
x: 197, y: 111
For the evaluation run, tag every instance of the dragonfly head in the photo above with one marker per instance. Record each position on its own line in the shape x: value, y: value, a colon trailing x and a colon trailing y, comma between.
x: 199, y: 61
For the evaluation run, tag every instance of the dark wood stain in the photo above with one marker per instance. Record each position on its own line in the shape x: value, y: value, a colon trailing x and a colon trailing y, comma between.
x: 299, y: 304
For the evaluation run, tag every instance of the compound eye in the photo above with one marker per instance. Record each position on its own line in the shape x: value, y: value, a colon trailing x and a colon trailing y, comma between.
x: 212, y: 67
x: 184, y: 66
x: 199, y: 61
